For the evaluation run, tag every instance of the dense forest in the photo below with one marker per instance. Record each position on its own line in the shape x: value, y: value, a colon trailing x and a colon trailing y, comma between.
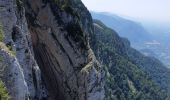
x: 125, y: 78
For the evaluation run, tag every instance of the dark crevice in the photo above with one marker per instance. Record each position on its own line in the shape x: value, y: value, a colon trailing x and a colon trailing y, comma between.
x: 67, y: 38
x: 15, y: 33
x: 34, y: 78
x: 47, y: 69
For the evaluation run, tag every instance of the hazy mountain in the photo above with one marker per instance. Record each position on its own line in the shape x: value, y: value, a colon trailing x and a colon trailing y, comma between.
x: 156, y: 28
x: 150, y: 38
x: 161, y: 34
x: 148, y: 52
x: 134, y: 31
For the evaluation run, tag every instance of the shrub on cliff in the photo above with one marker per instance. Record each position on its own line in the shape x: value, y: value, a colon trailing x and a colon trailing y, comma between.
x: 1, y: 33
x: 3, y: 92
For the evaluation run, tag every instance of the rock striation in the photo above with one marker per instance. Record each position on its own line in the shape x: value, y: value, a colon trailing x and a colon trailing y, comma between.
x: 46, y: 52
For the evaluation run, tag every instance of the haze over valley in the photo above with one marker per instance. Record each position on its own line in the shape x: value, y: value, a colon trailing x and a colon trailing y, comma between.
x: 151, y: 39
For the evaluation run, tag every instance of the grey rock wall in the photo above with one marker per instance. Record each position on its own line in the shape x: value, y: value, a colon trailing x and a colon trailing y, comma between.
x: 51, y: 56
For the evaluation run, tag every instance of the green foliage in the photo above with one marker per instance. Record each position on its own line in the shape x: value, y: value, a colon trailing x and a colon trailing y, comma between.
x: 3, y: 92
x: 1, y: 33
x: 124, y: 79
x: 9, y: 46
x: 156, y: 70
x: 67, y: 6
x: 76, y: 33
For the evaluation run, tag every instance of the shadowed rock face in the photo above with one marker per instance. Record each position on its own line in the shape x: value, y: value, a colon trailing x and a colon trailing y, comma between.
x: 61, y: 49
x: 53, y: 59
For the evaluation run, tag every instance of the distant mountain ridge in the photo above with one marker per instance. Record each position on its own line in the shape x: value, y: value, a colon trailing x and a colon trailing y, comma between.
x: 134, y: 31
x: 149, y: 37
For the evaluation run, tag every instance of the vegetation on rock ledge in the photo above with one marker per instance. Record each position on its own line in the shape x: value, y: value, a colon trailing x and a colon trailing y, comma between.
x: 1, y: 34
x: 3, y: 92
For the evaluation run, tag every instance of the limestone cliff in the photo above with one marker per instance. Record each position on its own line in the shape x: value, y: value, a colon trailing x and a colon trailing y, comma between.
x: 21, y: 70
x: 45, y: 51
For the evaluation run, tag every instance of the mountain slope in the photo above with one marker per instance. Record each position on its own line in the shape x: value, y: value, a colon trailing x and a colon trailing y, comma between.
x: 125, y: 28
x: 125, y: 78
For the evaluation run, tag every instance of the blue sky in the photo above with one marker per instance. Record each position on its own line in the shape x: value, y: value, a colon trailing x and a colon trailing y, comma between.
x: 153, y: 10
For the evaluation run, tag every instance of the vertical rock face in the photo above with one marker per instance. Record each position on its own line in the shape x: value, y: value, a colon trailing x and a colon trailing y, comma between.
x: 51, y: 36
x: 22, y: 73
x: 60, y: 44
x: 12, y: 72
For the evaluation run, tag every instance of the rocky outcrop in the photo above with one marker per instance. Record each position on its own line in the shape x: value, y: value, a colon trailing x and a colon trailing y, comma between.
x: 52, y: 58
